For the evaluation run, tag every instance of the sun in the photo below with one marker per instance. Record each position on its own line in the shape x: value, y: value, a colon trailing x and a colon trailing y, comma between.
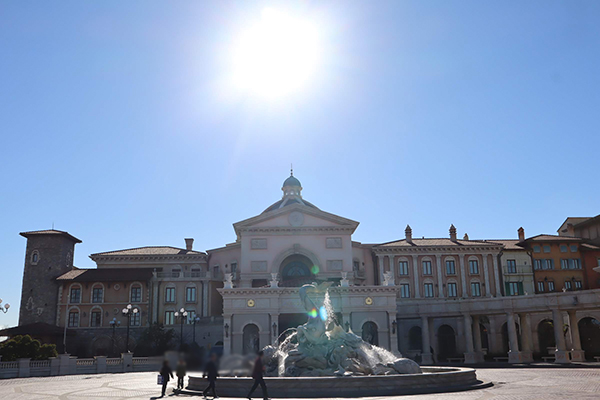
x: 275, y: 56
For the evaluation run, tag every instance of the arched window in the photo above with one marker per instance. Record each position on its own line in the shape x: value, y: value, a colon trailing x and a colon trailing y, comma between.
x: 97, y: 293
x: 136, y: 293
x: 73, y: 319
x: 96, y: 317
x: 35, y: 256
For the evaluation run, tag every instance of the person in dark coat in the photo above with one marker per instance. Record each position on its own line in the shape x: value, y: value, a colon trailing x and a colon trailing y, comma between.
x: 166, y: 374
x: 257, y: 374
x: 180, y: 372
x: 211, y: 372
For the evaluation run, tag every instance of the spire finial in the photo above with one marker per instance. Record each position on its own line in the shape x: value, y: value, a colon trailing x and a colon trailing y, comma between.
x: 291, y: 169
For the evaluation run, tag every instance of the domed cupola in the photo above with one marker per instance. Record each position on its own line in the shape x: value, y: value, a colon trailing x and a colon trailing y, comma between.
x: 292, y: 186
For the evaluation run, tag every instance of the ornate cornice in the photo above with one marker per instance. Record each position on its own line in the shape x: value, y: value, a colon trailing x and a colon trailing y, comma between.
x: 154, y: 258
x: 296, y: 230
x: 436, y: 249
x: 235, y: 292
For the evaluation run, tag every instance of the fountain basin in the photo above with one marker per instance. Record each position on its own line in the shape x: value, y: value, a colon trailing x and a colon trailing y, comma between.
x: 432, y: 380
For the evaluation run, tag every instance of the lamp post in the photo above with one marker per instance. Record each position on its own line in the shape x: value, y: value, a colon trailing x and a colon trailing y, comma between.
x: 128, y: 312
x: 182, y: 315
x: 4, y: 308
x: 113, y: 324
x: 196, y: 320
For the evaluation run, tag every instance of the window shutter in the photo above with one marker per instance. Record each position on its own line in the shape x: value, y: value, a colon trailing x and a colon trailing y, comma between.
x: 520, y: 286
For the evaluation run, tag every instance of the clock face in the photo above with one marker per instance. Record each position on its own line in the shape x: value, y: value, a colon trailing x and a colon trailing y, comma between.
x: 368, y: 301
x: 296, y: 218
x: 250, y: 303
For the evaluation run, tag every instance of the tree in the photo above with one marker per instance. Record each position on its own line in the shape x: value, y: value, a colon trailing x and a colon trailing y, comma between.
x: 155, y: 340
x: 24, y: 346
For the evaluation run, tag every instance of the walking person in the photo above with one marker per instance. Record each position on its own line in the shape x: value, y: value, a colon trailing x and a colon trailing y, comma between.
x: 180, y: 372
x: 166, y: 374
x: 257, y: 374
x: 212, y: 373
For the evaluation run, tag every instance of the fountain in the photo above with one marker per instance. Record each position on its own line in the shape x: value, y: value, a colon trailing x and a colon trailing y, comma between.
x: 321, y: 359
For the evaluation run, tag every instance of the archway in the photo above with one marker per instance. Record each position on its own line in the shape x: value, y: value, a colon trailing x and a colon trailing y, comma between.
x: 446, y: 342
x: 546, y: 336
x: 250, y: 339
x: 505, y: 339
x: 485, y: 344
x: 415, y: 340
x: 370, y: 333
x: 297, y: 270
x: 589, y: 333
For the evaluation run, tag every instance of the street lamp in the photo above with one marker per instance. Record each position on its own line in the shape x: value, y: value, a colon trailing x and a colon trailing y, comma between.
x: 113, y: 324
x: 194, y: 321
x: 182, y: 315
x: 4, y: 308
x: 128, y: 312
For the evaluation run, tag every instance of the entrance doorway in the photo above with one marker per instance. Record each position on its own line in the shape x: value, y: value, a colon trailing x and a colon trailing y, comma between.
x: 546, y: 337
x: 446, y: 342
x: 297, y: 270
x: 589, y: 333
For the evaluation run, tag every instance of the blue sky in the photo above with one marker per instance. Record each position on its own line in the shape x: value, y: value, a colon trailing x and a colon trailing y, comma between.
x: 115, y: 124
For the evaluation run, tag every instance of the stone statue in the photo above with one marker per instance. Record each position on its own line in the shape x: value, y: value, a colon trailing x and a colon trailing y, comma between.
x: 388, y: 278
x: 228, y: 284
x: 344, y: 282
x: 274, y: 281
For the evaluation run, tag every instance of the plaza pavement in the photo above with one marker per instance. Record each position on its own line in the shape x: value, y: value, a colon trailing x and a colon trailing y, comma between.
x: 509, y: 384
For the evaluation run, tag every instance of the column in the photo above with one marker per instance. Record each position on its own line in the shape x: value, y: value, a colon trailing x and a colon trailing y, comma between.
x: 392, y: 268
x: 526, y: 340
x: 468, y: 329
x: 477, y: 340
x: 496, y: 275
x: 438, y: 260
x: 561, y: 355
x: 227, y: 329
x: 514, y: 355
x: 24, y: 370
x: 577, y: 354
x: 274, y: 337
x: 205, y: 290
x: 380, y: 259
x: 426, y: 356
x: 486, y: 274
x: 463, y: 275
x: 415, y: 260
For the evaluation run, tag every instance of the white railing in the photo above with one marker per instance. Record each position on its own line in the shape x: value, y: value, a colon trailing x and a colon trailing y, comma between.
x: 9, y: 365
x: 114, y: 361
x: 85, y: 362
x: 39, y: 364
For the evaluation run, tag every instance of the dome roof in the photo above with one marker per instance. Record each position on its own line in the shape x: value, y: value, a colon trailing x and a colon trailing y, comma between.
x: 291, y: 181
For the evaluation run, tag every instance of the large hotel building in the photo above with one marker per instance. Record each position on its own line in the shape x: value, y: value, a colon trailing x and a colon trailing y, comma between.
x: 431, y: 299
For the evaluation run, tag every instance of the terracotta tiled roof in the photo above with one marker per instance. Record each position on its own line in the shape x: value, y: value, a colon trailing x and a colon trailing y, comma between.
x: 509, y: 244
x: 429, y: 242
x: 148, y: 251
x: 552, y: 238
x: 590, y: 246
x: 587, y: 221
x: 107, y: 274
x: 50, y: 232
x: 36, y: 329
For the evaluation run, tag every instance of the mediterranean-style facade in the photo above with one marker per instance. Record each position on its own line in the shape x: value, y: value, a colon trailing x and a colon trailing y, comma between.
x: 432, y: 299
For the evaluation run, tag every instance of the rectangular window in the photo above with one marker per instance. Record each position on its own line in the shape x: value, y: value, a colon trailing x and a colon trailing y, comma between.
x: 540, y: 287
x: 191, y: 316
x: 426, y: 267
x: 96, y: 319
x: 475, y: 289
x: 452, y: 292
x: 513, y: 288
x: 136, y: 319
x: 564, y: 264
x: 573, y: 248
x: 473, y: 267
x: 511, y: 266
x: 551, y: 286
x: 136, y: 294
x: 258, y: 244
x: 356, y: 266
x: 75, y: 295
x: 548, y: 263
x: 196, y: 273
x: 547, y: 249
x: 233, y: 268
x: 403, y: 268
x: 190, y: 295
x: 536, y: 249
x: 450, y: 267
x: 537, y: 264
x: 428, y: 289
x: 169, y: 317
x: 405, y: 290
x: 333, y: 243
x: 598, y: 261
x: 73, y: 319
x: 568, y: 285
x: 170, y: 295
x: 97, y: 295
x: 176, y: 273
x: 574, y: 263
x: 563, y: 248
x: 578, y: 285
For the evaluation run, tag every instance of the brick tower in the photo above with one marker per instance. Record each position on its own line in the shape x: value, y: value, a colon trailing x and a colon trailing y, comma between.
x: 49, y: 254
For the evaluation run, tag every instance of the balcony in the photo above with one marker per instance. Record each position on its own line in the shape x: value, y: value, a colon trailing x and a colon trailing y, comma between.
x: 517, y: 270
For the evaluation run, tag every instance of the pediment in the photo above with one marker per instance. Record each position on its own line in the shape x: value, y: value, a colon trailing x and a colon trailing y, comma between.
x: 288, y: 218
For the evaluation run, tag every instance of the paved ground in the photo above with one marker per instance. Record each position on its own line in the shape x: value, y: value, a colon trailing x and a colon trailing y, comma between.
x: 509, y: 384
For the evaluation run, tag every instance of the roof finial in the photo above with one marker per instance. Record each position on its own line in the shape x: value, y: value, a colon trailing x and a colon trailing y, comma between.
x: 291, y: 169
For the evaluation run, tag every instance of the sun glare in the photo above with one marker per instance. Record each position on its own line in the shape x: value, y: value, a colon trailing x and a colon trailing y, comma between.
x: 276, y: 56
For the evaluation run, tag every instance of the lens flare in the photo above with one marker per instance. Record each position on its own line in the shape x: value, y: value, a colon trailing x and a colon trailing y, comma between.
x: 323, y: 313
x: 314, y: 270
x: 313, y: 313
